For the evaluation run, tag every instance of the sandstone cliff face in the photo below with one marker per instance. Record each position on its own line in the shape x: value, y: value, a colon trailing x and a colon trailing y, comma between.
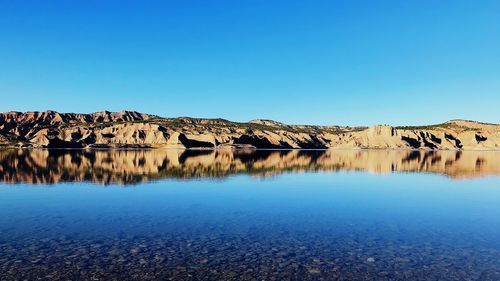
x: 451, y: 135
x: 26, y: 125
x: 129, y: 129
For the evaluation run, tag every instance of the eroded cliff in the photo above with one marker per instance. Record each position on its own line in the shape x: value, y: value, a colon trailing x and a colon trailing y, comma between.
x: 130, y: 129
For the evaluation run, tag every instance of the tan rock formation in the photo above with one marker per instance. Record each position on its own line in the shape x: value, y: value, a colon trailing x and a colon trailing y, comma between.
x: 130, y: 129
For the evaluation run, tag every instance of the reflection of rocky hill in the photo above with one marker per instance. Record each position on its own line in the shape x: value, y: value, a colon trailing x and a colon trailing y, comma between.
x: 132, y: 129
x: 129, y: 167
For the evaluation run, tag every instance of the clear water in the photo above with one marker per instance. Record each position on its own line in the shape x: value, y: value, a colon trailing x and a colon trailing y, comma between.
x: 286, y: 215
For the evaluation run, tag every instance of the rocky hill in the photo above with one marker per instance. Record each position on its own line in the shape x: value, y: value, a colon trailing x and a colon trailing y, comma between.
x: 129, y: 129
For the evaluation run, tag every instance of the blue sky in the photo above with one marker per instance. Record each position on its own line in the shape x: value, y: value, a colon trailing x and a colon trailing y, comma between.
x: 307, y: 62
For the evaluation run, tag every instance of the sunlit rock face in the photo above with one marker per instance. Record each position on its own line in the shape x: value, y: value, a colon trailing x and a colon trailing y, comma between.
x: 130, y: 129
x: 135, y: 166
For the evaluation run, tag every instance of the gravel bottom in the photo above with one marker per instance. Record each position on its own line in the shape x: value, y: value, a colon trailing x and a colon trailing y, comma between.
x: 213, y: 255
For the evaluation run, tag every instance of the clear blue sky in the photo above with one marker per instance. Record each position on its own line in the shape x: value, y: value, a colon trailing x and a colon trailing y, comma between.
x: 307, y: 62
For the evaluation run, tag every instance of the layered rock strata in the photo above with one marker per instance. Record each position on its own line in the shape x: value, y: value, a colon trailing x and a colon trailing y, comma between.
x: 129, y: 129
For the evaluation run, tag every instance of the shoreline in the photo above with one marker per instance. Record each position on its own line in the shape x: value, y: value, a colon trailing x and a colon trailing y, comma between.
x: 236, y: 149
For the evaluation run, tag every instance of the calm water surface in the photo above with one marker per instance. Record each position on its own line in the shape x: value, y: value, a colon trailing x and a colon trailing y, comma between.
x: 249, y: 215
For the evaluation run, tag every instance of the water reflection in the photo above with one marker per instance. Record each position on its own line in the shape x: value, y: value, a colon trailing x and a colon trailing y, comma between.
x: 135, y: 166
x: 298, y: 226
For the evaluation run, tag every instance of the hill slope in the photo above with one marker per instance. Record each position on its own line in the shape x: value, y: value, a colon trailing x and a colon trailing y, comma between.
x: 129, y: 129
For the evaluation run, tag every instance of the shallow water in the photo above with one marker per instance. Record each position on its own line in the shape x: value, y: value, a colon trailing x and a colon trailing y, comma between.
x: 249, y: 215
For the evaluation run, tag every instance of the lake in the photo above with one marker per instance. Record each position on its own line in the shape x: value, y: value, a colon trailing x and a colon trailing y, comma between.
x: 249, y: 215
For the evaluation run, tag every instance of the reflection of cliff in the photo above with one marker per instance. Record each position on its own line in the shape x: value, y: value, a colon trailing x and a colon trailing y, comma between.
x: 129, y: 167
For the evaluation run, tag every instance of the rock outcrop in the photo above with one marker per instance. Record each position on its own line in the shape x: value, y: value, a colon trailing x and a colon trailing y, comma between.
x: 130, y: 129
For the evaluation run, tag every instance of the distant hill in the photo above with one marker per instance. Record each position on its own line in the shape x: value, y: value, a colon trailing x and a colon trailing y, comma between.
x: 130, y: 129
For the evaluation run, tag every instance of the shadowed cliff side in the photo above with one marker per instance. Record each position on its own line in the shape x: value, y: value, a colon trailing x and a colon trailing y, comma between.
x: 130, y: 129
